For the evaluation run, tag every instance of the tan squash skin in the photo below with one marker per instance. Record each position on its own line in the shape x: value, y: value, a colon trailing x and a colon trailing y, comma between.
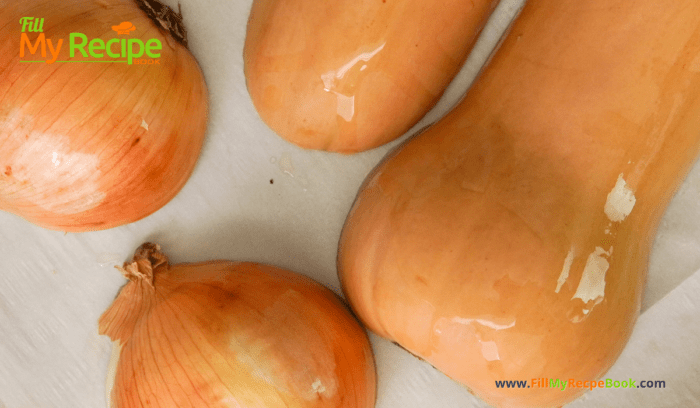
x: 347, y: 76
x: 456, y: 243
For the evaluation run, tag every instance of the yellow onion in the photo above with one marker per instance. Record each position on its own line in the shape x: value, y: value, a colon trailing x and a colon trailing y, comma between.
x: 88, y: 143
x: 233, y: 334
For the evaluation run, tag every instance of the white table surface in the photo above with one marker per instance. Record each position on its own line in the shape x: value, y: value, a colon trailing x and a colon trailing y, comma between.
x: 54, y: 286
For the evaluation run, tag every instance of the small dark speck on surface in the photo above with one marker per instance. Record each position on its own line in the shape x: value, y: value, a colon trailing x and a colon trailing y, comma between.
x: 8, y: 171
x: 272, y: 181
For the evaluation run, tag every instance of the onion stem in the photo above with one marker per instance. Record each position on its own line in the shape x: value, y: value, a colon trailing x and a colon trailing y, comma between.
x: 166, y: 18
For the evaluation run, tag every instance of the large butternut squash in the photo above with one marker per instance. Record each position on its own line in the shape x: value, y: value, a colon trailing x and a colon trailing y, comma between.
x: 510, y: 240
x: 350, y: 75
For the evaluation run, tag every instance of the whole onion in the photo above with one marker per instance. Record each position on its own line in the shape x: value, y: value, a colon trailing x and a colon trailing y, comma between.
x: 98, y: 140
x: 233, y: 334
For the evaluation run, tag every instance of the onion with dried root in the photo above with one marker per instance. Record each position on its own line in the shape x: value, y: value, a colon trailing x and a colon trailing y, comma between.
x: 103, y: 111
x: 233, y: 334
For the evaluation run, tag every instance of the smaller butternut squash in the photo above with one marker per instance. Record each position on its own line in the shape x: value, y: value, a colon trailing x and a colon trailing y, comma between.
x: 347, y: 76
x: 510, y: 241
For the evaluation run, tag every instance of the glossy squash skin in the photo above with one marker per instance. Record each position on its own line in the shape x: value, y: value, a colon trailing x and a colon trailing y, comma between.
x: 510, y: 241
x: 347, y: 75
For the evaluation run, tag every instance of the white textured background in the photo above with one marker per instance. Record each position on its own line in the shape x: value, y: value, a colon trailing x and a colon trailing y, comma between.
x: 54, y: 286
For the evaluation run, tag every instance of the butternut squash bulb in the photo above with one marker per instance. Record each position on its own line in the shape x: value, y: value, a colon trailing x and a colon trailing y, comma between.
x: 510, y: 241
x: 347, y: 76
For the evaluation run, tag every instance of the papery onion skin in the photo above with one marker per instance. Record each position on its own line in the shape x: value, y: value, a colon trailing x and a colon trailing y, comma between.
x: 234, y: 334
x: 91, y: 146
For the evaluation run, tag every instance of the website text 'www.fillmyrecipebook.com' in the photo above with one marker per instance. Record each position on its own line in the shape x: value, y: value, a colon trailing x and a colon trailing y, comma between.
x: 563, y: 384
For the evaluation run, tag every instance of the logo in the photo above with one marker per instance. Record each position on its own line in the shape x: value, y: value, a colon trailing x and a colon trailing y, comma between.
x: 124, y: 28
x: 115, y: 50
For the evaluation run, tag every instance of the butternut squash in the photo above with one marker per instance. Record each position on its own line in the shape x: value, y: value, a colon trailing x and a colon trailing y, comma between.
x: 348, y: 76
x: 510, y: 241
